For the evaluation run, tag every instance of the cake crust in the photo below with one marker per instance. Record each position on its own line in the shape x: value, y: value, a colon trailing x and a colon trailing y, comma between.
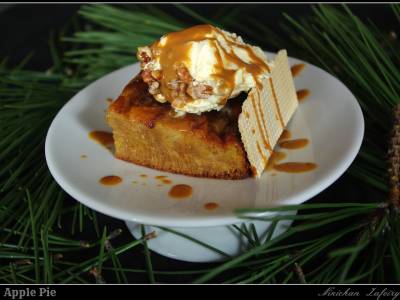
x: 148, y: 133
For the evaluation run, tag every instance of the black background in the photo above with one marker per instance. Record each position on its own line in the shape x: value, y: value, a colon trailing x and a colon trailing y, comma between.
x: 26, y: 27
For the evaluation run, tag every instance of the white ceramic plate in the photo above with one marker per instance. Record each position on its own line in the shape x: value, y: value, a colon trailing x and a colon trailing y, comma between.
x: 330, y: 118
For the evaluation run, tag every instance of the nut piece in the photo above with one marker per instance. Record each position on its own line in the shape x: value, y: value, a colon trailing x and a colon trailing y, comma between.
x: 156, y: 74
x: 184, y: 75
x: 154, y: 88
x: 199, y: 91
x: 144, y: 54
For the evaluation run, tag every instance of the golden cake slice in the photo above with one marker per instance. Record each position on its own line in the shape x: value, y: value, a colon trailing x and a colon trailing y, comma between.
x: 148, y: 133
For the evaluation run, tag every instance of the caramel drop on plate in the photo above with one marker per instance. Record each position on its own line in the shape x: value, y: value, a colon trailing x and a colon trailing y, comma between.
x: 143, y: 175
x: 302, y: 94
x: 296, y: 69
x: 286, y: 134
x: 110, y: 180
x: 294, y: 144
x: 211, y: 205
x: 180, y: 191
x: 295, y: 167
x: 164, y: 179
x: 102, y: 137
x: 275, y: 157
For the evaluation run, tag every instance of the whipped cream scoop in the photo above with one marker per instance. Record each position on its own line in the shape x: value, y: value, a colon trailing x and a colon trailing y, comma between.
x: 198, y: 69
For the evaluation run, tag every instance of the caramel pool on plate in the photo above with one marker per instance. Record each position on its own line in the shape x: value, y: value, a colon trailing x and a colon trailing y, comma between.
x: 110, y: 180
x: 295, y: 167
x: 294, y: 144
x: 180, y: 191
x: 211, y: 205
x: 102, y: 137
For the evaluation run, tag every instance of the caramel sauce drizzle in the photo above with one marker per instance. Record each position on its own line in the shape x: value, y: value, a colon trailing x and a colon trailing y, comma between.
x: 83, y: 156
x: 264, y: 122
x: 255, y: 68
x: 253, y: 171
x: 302, y: 94
x: 263, y: 134
x: 295, y: 167
x: 173, y: 51
x: 143, y: 175
x: 296, y: 69
x: 275, y: 157
x: 276, y: 102
x: 110, y: 180
x: 286, y: 134
x: 262, y: 155
x: 294, y: 144
x: 102, y: 137
x: 180, y: 191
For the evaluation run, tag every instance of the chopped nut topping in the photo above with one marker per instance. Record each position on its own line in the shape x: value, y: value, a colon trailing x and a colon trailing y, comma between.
x: 199, y: 91
x: 146, y: 76
x: 184, y: 75
x: 157, y: 74
x: 154, y: 88
x: 144, y: 54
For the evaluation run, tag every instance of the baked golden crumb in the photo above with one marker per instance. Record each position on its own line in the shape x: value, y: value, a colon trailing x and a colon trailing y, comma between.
x: 148, y: 133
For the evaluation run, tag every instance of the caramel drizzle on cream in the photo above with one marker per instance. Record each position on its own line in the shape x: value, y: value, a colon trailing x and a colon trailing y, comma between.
x: 173, y: 52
